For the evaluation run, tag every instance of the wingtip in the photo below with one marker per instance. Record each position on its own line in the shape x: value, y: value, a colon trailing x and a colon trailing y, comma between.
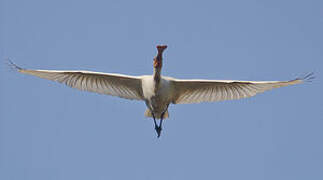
x: 307, y: 77
x: 12, y: 65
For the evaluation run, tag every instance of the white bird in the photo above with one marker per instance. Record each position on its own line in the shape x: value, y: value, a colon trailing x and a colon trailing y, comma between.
x: 159, y: 91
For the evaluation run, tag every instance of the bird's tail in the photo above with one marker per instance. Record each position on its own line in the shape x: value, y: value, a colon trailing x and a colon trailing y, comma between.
x: 149, y: 114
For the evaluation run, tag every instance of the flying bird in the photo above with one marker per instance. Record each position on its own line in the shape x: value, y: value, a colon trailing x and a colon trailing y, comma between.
x: 159, y: 91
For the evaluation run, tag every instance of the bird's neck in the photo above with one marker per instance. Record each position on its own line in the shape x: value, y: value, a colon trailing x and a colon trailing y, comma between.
x: 156, y: 75
x: 157, y: 70
x: 158, y: 58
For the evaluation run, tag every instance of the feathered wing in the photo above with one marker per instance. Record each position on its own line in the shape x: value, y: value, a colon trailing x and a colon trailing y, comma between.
x: 123, y: 86
x: 196, y: 91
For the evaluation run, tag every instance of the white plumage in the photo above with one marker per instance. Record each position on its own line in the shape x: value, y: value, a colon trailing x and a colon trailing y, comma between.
x: 159, y: 91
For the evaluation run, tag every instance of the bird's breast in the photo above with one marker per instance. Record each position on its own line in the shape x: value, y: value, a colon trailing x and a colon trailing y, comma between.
x: 158, y: 95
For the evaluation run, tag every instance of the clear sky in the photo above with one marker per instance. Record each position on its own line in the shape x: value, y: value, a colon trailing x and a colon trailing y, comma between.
x: 49, y: 131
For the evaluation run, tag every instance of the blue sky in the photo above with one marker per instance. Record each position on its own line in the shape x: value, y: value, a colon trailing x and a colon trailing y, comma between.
x: 49, y: 131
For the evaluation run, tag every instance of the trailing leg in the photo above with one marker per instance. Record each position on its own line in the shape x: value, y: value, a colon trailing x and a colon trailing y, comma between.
x: 159, y: 129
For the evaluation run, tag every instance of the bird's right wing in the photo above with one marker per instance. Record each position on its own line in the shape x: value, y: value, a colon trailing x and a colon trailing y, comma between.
x: 196, y: 91
x: 123, y: 86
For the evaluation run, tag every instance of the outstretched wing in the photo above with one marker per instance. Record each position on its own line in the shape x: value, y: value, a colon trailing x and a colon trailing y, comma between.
x: 123, y: 86
x: 196, y: 91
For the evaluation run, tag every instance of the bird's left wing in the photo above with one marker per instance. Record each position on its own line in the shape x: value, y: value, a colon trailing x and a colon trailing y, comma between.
x: 196, y: 91
x: 123, y: 86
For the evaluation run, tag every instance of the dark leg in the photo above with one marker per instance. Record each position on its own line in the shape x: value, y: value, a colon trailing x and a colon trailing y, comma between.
x: 161, y: 120
x: 156, y: 127
x: 159, y: 129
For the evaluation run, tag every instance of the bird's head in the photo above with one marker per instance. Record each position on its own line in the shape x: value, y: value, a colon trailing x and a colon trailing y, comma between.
x: 158, y: 60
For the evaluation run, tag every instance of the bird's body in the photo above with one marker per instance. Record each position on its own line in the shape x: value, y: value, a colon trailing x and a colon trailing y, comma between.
x: 159, y: 91
x: 157, y: 95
